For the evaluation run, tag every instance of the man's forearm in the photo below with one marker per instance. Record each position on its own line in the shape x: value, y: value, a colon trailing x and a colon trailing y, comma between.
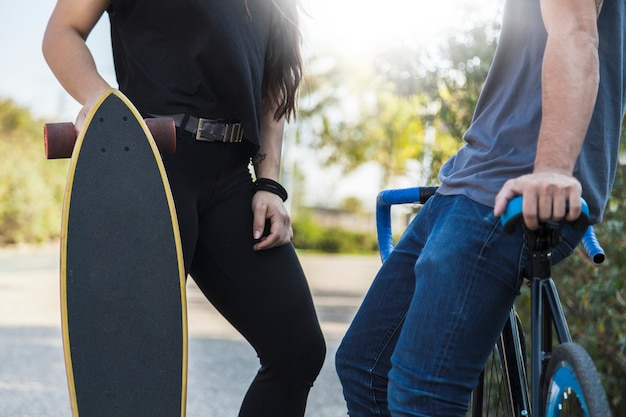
x: 569, y: 86
x: 569, y: 94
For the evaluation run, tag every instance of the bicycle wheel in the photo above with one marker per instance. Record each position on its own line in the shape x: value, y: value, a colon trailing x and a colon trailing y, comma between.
x: 498, y: 393
x: 573, y: 387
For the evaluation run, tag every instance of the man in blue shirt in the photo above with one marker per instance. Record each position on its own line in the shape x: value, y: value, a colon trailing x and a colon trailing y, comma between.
x: 546, y: 126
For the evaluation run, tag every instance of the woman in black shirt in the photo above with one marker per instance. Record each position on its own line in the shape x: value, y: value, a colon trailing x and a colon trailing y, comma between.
x: 228, y: 73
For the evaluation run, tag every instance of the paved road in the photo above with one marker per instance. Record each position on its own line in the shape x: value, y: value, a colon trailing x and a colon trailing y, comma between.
x: 221, y: 363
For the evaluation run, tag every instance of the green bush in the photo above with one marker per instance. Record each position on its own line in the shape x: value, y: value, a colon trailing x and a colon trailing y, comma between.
x: 594, y: 299
x: 309, y: 235
x: 306, y: 233
x: 31, y: 187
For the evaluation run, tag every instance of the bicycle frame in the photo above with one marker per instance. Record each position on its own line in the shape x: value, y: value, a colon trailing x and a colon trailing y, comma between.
x: 546, y: 311
x: 547, y: 314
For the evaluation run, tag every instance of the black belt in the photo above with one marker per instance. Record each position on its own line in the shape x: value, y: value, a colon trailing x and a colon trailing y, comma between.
x: 207, y: 130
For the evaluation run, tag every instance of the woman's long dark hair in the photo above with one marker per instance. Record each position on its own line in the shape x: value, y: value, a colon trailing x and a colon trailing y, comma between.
x: 283, y: 60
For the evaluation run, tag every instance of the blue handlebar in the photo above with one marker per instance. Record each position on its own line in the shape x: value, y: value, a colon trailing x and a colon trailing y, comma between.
x: 513, y: 212
x: 595, y: 252
x: 592, y: 247
x: 384, y: 201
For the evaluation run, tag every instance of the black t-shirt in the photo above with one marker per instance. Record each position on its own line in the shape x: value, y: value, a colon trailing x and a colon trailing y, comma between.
x: 200, y: 57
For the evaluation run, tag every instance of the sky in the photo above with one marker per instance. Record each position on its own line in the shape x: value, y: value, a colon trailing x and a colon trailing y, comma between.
x: 348, y: 27
x: 24, y: 75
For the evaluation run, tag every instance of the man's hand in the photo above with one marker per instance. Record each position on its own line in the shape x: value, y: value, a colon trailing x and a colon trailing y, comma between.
x: 547, y: 196
x: 269, y: 206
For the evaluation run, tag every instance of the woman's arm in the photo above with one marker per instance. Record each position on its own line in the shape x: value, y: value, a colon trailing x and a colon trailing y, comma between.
x: 67, y: 53
x: 267, y: 205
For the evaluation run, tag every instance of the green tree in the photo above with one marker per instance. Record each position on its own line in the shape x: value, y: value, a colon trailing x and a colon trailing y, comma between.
x: 387, y: 132
x: 31, y: 188
x: 407, y: 91
x: 448, y: 79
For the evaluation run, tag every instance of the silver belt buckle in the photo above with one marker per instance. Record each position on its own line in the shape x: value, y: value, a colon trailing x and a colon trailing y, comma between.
x: 199, y: 130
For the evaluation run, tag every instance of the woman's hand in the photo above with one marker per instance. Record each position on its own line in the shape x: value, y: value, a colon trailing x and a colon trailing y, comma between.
x: 268, y: 207
x: 86, y: 109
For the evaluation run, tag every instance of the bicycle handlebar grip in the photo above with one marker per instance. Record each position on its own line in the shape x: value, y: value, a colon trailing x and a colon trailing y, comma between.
x: 401, y: 196
x: 513, y: 214
x: 592, y: 247
x: 384, y: 201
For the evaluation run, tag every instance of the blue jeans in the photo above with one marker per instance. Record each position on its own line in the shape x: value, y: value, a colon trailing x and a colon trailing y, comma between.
x: 433, y: 313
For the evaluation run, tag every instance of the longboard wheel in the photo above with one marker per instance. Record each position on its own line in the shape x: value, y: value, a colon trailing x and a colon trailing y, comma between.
x: 164, y: 133
x: 59, y: 140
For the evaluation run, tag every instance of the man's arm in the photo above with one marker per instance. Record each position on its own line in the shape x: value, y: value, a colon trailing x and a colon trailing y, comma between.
x: 570, y: 78
x: 67, y: 54
x: 266, y: 205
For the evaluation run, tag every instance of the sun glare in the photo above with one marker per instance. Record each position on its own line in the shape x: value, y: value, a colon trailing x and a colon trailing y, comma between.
x: 354, y: 26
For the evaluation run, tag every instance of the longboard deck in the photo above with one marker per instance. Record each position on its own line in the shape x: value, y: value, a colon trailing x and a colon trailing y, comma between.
x: 122, y: 276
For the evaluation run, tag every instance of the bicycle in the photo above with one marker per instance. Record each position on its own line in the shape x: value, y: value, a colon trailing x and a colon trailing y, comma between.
x: 560, y: 379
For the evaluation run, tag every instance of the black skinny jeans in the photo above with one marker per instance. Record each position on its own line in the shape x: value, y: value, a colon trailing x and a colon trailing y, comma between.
x: 263, y: 294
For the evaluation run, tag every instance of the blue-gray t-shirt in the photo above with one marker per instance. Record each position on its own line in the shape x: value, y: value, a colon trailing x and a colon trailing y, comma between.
x: 501, y: 141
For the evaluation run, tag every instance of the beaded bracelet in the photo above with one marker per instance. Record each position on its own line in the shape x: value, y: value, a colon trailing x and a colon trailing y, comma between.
x: 266, y: 184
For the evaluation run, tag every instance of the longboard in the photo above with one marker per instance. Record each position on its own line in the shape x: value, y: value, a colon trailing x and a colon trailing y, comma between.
x: 122, y: 276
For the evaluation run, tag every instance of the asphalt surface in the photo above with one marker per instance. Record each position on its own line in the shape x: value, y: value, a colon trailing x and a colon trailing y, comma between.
x: 221, y: 363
